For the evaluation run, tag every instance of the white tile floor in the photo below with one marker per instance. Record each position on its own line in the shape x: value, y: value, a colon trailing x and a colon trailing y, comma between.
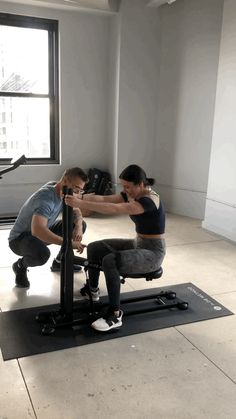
x: 183, y: 372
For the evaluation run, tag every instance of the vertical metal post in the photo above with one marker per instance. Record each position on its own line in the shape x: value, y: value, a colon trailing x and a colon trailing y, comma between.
x: 67, y: 255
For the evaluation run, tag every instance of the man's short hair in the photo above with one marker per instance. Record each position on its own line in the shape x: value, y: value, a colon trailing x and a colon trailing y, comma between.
x: 76, y: 172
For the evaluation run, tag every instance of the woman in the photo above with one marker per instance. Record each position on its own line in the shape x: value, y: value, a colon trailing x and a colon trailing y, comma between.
x: 144, y: 253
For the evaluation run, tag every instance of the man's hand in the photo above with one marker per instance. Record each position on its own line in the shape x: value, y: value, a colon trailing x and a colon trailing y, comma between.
x: 77, y: 233
x: 78, y: 246
x: 72, y: 201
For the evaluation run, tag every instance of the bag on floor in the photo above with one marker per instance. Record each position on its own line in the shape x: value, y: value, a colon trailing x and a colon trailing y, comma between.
x: 99, y: 183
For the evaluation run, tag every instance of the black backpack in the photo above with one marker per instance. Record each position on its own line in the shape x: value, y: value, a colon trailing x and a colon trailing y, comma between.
x: 99, y: 182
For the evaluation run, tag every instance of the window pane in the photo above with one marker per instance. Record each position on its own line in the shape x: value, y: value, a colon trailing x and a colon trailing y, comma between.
x: 24, y: 60
x: 24, y: 127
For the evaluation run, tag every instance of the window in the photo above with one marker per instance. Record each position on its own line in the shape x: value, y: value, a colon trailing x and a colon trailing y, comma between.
x: 29, y: 114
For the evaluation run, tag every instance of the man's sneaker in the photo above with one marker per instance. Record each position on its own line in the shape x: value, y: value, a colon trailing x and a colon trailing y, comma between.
x: 21, y: 279
x: 108, y: 322
x: 56, y: 266
x: 84, y: 291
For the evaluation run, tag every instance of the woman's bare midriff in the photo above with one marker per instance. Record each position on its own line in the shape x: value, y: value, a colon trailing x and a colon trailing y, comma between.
x: 151, y: 236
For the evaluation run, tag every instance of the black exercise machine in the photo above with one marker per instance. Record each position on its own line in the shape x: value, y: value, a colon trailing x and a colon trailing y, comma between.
x: 17, y: 163
x: 74, y: 313
x: 9, y: 219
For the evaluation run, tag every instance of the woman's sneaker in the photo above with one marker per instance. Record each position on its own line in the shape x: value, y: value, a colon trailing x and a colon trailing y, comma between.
x: 108, y: 322
x: 21, y: 280
x: 84, y: 291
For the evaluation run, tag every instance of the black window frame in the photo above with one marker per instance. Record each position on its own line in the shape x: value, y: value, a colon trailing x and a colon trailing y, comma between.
x: 53, y: 71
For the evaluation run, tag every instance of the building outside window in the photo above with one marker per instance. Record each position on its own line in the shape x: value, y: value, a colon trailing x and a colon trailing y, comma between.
x: 29, y: 114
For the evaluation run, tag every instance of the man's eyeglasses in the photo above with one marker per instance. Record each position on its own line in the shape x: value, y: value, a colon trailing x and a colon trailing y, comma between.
x: 77, y: 189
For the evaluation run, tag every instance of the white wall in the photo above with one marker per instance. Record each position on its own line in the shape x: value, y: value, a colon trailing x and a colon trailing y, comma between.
x: 114, y: 85
x: 134, y: 74
x: 190, y: 33
x: 83, y: 96
x: 138, y: 88
x: 84, y: 90
x: 220, y: 215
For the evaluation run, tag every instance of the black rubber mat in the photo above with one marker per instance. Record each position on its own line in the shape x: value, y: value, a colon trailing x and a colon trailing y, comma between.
x: 20, y: 334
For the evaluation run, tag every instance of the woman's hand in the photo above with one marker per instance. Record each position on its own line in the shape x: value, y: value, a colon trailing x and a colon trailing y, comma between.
x: 72, y: 201
x: 79, y: 194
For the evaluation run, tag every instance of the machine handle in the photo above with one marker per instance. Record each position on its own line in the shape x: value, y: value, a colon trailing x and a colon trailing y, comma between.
x: 17, y: 163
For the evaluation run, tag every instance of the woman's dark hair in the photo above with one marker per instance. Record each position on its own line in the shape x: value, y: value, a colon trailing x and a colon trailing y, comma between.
x: 136, y: 174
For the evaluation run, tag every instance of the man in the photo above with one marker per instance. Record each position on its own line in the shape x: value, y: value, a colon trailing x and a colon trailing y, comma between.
x: 36, y: 226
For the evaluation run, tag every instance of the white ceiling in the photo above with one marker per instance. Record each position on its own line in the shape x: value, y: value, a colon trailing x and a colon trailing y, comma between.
x: 105, y: 6
x: 109, y: 6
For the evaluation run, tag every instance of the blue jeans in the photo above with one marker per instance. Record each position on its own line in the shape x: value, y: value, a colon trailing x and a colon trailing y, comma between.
x: 119, y: 256
x: 34, y: 251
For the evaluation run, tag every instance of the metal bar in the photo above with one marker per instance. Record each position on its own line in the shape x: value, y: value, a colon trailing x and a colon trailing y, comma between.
x: 143, y: 298
x: 17, y: 163
x: 67, y: 271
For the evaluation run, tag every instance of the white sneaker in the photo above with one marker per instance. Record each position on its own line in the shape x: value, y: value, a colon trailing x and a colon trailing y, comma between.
x: 108, y: 322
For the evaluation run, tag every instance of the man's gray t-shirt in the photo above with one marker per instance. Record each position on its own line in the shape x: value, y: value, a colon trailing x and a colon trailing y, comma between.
x: 43, y: 202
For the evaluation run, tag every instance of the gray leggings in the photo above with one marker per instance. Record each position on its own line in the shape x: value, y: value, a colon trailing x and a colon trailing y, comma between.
x: 119, y: 256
